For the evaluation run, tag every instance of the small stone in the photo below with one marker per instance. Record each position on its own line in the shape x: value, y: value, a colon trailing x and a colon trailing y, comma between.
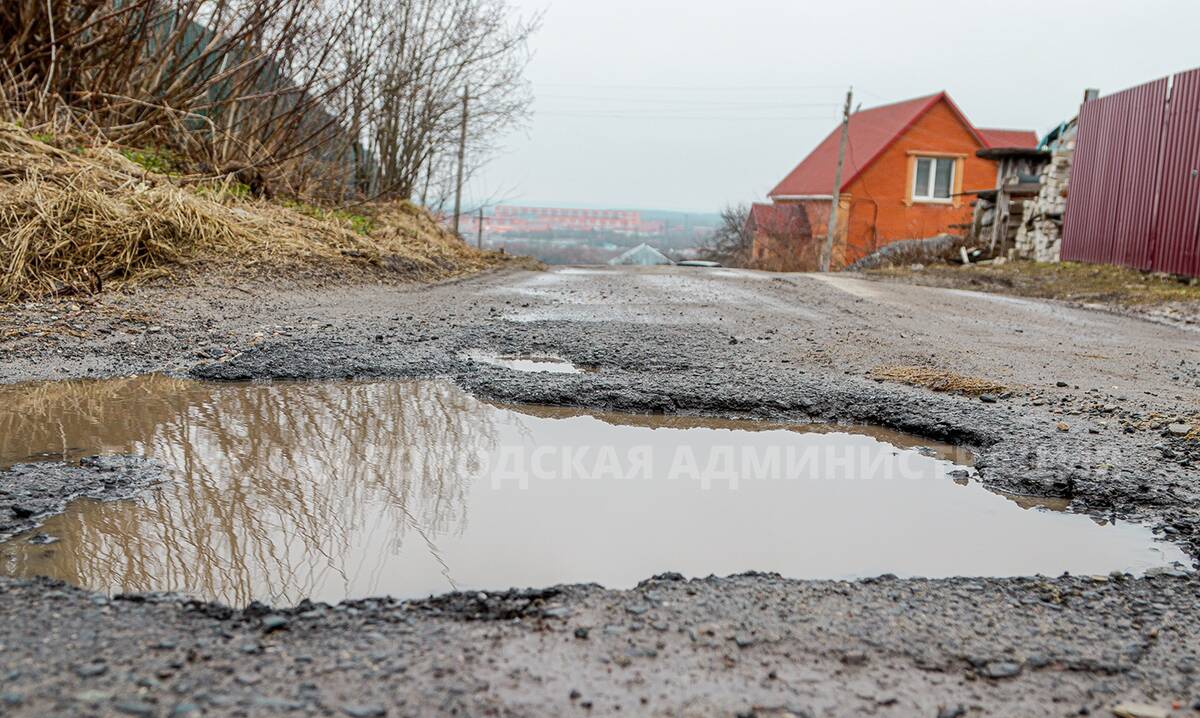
x: 1139, y: 710
x: 185, y: 710
x: 1062, y: 426
x: 637, y: 609
x: 220, y: 700
x: 277, y: 704
x: 274, y: 622
x: 43, y: 539
x: 951, y: 712
x: 22, y: 511
x: 744, y: 640
x: 92, y: 696
x: 248, y: 679
x: 856, y: 658
x: 1061, y: 384
x: 581, y: 633
x: 364, y: 711
x: 988, y: 398
x: 9, y: 698
x: 138, y: 708
x: 91, y: 670
x: 1180, y: 429
x: 556, y: 612
x: 1002, y: 669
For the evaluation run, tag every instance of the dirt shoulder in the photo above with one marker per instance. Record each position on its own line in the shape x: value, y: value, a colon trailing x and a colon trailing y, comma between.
x: 1081, y: 406
x: 1127, y: 291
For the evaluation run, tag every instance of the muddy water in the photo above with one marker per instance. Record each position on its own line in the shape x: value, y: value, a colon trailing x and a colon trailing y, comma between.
x: 526, y: 362
x: 335, y: 490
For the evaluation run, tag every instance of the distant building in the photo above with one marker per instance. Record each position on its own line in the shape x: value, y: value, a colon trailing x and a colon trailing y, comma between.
x: 905, y: 169
x: 643, y: 254
x: 531, y: 220
x: 784, y: 237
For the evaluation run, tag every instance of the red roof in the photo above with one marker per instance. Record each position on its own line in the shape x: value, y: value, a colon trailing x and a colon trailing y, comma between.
x: 871, y: 132
x: 1025, y: 139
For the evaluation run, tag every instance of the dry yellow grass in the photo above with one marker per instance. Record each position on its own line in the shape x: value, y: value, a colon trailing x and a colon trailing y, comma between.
x: 73, y: 221
x: 1070, y: 281
x: 937, y: 380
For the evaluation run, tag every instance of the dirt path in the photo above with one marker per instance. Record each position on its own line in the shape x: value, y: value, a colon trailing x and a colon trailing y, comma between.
x: 794, y: 347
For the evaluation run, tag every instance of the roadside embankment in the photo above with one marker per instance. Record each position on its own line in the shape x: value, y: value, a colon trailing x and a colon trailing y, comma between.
x: 76, y: 219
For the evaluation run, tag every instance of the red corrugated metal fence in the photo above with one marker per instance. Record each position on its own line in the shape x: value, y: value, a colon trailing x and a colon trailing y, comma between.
x: 1134, y: 196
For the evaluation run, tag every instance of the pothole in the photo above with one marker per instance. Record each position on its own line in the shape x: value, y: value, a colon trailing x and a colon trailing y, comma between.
x: 527, y: 362
x: 406, y: 488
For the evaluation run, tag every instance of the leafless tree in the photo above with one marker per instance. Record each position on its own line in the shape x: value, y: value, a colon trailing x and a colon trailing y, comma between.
x: 731, y: 244
x: 406, y: 101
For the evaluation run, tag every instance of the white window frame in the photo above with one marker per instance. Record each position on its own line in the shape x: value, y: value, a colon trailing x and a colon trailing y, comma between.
x: 928, y: 196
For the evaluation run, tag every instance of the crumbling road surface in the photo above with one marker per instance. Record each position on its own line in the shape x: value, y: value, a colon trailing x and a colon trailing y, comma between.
x: 1090, y: 411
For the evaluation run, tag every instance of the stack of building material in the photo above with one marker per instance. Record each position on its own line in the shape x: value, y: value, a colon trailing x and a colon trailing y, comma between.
x: 1039, y: 235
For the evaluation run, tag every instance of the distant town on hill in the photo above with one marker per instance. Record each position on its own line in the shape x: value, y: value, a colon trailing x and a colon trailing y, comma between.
x: 577, y: 235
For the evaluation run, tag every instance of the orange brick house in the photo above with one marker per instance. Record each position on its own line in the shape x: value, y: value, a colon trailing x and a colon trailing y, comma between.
x: 906, y: 167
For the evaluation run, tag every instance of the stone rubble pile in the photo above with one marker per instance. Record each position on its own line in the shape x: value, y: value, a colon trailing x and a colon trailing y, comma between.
x: 1039, y: 235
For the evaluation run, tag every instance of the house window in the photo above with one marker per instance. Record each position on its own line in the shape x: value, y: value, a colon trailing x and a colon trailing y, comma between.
x: 933, y: 179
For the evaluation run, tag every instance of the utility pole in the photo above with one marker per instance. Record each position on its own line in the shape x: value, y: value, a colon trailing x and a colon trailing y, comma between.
x: 479, y: 238
x: 827, y: 250
x: 462, y: 155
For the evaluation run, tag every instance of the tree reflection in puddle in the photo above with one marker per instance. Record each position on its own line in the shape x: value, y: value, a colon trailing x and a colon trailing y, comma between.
x: 347, y: 489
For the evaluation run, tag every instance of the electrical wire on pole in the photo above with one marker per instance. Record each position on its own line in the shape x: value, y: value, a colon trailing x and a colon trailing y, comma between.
x: 827, y: 250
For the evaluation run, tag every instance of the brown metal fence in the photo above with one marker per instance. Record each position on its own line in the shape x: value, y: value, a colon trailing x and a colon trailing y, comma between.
x: 1134, y: 196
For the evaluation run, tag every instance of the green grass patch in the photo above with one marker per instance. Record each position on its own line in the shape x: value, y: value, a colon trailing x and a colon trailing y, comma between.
x: 358, y: 222
x: 217, y: 188
x: 163, y: 162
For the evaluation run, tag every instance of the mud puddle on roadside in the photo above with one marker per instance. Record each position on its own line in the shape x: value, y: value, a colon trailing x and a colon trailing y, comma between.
x: 349, y: 489
x: 545, y: 363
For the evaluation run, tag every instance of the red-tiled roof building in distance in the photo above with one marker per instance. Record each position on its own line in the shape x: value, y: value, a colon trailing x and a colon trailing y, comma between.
x: 904, y: 174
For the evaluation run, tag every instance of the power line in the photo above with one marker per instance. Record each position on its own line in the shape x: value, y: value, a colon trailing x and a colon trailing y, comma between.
x: 686, y: 101
x: 640, y: 116
x: 688, y: 87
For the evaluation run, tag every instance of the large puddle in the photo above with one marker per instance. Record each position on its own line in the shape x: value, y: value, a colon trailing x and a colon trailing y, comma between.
x: 336, y: 490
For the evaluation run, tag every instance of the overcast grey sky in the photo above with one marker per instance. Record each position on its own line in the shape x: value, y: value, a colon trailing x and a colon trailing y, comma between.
x: 690, y: 104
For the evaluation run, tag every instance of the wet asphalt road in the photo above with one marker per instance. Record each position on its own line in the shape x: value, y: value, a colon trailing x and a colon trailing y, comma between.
x: 677, y: 340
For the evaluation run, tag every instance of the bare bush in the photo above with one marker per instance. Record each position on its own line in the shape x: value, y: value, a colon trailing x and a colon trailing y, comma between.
x: 316, y: 97
x: 732, y: 242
